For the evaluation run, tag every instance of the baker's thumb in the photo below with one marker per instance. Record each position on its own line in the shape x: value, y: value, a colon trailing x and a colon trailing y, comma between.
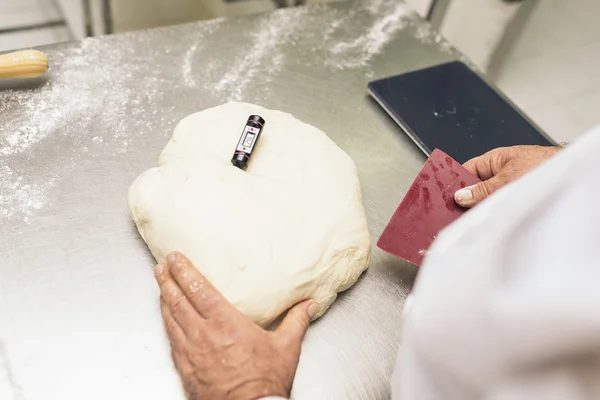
x: 296, y: 322
x: 472, y: 195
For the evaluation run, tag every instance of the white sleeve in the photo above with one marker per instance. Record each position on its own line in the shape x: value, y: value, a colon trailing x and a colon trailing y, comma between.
x: 273, y: 398
x: 507, y: 304
x: 572, y: 381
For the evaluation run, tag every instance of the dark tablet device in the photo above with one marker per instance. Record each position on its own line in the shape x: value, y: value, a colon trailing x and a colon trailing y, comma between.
x: 451, y: 108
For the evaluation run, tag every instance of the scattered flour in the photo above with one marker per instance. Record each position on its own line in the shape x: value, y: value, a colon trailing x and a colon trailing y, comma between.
x: 356, y: 53
x: 19, y: 197
x: 366, y: 29
x: 426, y: 35
x: 86, y: 89
x: 374, y: 7
x: 187, y: 67
x: 272, y: 36
x: 88, y: 78
x: 423, y: 32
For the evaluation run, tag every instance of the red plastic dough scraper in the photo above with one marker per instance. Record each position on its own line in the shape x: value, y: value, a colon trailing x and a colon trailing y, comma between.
x: 427, y: 208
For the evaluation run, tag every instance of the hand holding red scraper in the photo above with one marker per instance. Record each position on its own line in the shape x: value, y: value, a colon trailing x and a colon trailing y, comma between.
x: 499, y: 167
x: 444, y: 189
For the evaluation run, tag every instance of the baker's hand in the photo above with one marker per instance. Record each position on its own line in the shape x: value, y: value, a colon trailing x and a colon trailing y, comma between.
x: 500, y: 166
x: 220, y: 353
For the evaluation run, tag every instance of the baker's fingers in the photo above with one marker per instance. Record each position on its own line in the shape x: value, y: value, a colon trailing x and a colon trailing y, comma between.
x: 177, y: 303
x: 488, y: 165
x: 174, y: 332
x: 177, y: 339
x: 473, y: 195
x: 296, y: 322
x: 199, y: 291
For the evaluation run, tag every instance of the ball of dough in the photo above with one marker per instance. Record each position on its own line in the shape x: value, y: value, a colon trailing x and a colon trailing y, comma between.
x: 290, y: 227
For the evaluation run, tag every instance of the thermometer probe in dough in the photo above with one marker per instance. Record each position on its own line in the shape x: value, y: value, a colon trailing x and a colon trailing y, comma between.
x: 23, y: 64
x: 248, y: 140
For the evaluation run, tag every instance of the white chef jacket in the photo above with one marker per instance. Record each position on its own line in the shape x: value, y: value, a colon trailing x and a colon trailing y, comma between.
x: 507, y: 303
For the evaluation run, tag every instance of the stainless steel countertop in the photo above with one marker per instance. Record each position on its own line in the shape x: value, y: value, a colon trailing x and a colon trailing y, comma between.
x: 79, y: 315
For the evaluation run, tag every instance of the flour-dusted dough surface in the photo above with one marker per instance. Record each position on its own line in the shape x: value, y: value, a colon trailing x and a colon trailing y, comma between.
x: 289, y: 228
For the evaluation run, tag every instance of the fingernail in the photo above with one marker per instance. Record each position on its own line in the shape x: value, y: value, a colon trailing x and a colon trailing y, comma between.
x: 312, y: 310
x: 463, y: 195
x: 171, y: 258
x: 158, y: 270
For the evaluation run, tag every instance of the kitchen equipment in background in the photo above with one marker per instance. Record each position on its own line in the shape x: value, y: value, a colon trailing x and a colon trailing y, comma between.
x: 451, y: 108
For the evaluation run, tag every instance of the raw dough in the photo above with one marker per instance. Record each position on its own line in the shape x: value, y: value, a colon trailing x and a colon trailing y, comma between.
x: 289, y: 228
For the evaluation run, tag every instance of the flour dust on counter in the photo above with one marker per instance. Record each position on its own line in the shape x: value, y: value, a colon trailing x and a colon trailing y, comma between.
x: 291, y: 227
x: 80, y: 79
x: 258, y: 61
x: 187, y: 66
x: 88, y: 86
x: 268, y: 41
x: 360, y: 46
x: 424, y: 33
x: 390, y: 17
x: 18, y: 197
x: 263, y: 55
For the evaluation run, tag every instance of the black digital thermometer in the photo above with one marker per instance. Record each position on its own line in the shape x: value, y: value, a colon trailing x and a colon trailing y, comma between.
x: 248, y: 140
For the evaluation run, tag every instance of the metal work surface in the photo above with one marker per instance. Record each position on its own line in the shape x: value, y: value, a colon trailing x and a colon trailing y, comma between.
x: 79, y: 314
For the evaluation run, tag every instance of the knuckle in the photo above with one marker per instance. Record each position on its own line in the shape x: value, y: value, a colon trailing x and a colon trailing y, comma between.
x: 177, y: 304
x: 191, y: 295
x: 221, y: 328
x: 480, y: 192
x: 171, y: 327
x: 195, y: 334
x: 210, y: 298
x: 194, y: 294
x: 301, y: 318
x: 500, y: 156
x: 198, y: 292
x: 222, y: 332
x: 201, y: 348
x: 486, y: 188
x: 218, y: 321
x: 494, y: 153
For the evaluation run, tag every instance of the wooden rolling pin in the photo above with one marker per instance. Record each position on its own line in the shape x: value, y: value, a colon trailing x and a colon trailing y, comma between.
x: 23, y: 64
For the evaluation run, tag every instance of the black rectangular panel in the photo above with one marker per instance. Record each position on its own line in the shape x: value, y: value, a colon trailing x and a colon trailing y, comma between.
x: 449, y: 107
